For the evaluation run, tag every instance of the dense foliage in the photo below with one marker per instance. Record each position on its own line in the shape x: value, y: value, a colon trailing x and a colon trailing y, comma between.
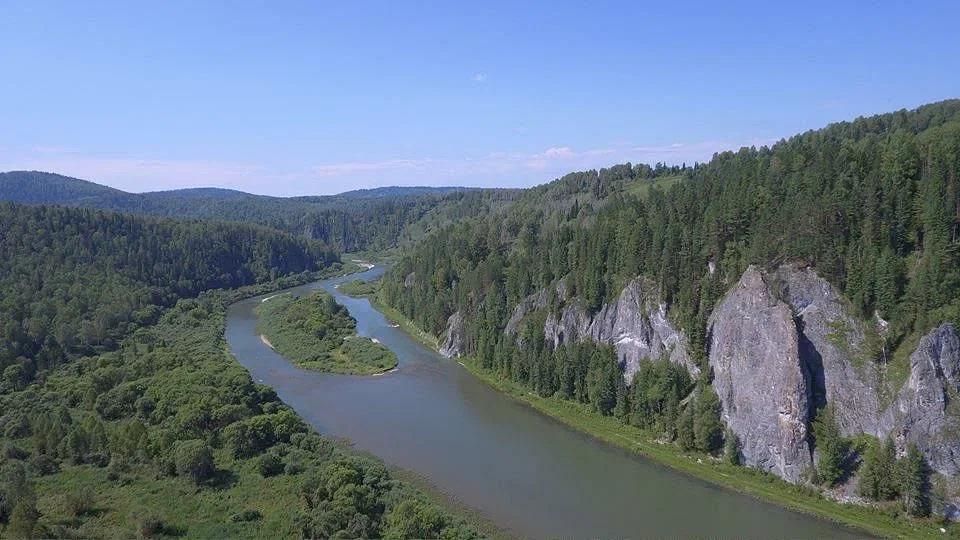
x: 75, y: 281
x: 316, y: 332
x: 358, y: 220
x: 169, y: 435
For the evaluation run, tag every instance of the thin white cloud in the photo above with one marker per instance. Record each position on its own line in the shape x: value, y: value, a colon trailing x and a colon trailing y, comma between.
x: 479, y: 77
x: 507, y: 169
x: 352, y: 167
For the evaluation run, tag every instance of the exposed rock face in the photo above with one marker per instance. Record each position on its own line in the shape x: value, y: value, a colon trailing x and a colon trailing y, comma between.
x: 830, y: 339
x: 927, y: 410
x: 635, y: 324
x: 760, y: 378
x: 536, y: 301
x: 453, y: 343
x: 784, y: 343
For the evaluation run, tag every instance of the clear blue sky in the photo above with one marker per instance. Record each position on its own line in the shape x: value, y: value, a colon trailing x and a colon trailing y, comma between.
x: 320, y: 97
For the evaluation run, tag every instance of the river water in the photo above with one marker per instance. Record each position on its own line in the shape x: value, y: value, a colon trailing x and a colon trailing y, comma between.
x: 527, y: 473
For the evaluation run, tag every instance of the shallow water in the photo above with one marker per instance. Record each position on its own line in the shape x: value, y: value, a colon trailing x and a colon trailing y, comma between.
x: 525, y: 472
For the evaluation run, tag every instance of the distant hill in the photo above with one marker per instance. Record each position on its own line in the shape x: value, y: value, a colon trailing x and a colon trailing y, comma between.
x: 35, y: 187
x: 38, y: 187
x: 357, y: 220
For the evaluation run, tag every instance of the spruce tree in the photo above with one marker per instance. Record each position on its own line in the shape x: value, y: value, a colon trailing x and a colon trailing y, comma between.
x: 707, y: 428
x: 685, y: 437
x: 831, y: 448
x: 731, y: 447
x: 913, y: 479
x: 878, y: 472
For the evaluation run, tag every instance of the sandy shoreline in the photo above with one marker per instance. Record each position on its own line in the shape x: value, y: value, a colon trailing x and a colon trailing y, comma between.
x: 266, y: 341
x: 391, y: 370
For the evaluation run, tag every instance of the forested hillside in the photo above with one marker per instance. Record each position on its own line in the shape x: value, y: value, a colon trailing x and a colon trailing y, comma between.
x: 872, y: 204
x: 373, y: 219
x: 870, y: 208
x: 74, y: 282
x: 122, y: 413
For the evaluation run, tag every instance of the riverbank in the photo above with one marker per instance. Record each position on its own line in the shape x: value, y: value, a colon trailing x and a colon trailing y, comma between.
x: 405, y: 324
x: 744, y: 480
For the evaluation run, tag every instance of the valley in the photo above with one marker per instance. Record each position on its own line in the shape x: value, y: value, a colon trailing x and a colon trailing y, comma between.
x: 767, y: 341
x: 493, y: 454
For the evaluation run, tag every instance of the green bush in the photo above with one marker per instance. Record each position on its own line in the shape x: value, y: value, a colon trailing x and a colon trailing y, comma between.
x: 194, y: 459
x: 80, y: 502
x: 269, y: 465
x: 246, y: 515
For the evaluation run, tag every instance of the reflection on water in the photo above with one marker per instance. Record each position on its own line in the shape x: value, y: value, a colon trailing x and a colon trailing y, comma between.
x: 523, y: 471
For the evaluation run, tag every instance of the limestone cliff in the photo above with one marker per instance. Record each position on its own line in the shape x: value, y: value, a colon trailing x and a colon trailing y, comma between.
x: 784, y: 343
x: 453, y: 342
x: 927, y: 409
x: 763, y: 385
x: 635, y: 323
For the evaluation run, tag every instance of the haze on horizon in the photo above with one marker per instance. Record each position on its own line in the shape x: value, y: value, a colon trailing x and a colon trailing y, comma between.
x: 298, y: 98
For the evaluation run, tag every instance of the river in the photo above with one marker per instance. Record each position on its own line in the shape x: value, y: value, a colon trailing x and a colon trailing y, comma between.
x: 525, y: 472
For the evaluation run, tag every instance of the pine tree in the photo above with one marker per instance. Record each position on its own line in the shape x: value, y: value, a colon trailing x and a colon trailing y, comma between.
x: 23, y: 520
x: 685, y: 436
x: 831, y: 448
x: 731, y: 447
x: 913, y: 479
x: 878, y: 472
x: 707, y: 428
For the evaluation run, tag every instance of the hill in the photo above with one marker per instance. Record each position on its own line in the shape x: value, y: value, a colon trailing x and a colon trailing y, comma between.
x: 373, y: 219
x: 75, y: 281
x: 34, y: 187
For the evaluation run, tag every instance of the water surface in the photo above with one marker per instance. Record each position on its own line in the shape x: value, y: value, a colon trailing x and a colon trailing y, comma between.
x: 525, y: 472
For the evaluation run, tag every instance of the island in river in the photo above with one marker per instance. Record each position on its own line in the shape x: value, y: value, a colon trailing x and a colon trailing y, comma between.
x: 316, y: 332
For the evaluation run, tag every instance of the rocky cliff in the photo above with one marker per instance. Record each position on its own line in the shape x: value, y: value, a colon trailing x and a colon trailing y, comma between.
x: 927, y: 409
x: 763, y: 384
x: 453, y: 342
x: 635, y: 324
x: 783, y: 344
x: 833, y: 347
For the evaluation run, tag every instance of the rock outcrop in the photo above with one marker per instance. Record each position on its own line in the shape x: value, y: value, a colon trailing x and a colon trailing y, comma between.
x: 927, y: 410
x: 763, y: 384
x: 784, y: 343
x: 635, y: 324
x: 453, y: 342
x: 832, y: 345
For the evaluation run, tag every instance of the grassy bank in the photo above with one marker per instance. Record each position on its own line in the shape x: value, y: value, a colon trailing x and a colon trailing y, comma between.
x: 741, y: 479
x: 405, y: 324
